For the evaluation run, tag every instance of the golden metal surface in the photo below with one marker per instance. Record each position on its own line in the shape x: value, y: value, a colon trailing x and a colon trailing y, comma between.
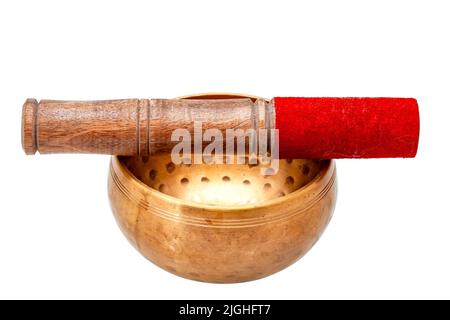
x: 219, y: 222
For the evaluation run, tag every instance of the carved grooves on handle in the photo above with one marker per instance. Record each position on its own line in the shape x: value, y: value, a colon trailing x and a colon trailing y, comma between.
x: 133, y: 126
x: 143, y: 127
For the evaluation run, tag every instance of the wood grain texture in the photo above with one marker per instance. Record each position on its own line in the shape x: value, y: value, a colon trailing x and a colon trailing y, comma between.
x: 128, y: 127
x: 29, y: 141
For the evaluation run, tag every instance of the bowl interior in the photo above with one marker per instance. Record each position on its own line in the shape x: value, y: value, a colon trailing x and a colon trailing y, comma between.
x: 222, y: 184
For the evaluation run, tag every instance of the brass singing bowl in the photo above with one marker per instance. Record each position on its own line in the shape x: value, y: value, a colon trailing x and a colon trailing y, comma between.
x: 221, y: 223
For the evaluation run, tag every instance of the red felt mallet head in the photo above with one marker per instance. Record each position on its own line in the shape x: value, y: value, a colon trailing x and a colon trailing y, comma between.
x: 326, y: 128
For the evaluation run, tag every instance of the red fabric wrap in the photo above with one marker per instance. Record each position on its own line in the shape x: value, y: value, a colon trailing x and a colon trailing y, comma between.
x: 327, y: 128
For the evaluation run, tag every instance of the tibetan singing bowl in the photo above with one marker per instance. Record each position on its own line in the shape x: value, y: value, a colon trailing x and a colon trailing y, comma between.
x: 221, y: 222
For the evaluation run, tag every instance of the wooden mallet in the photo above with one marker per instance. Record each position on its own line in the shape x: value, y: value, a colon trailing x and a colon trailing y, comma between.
x: 309, y: 128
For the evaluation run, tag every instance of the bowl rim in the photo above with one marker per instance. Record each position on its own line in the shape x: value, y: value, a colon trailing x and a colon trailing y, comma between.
x: 327, y: 171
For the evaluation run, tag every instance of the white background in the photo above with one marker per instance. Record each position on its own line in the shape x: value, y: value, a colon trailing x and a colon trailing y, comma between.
x: 389, y: 237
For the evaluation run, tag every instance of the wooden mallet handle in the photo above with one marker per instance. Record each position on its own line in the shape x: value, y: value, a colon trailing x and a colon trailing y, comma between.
x: 128, y: 127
